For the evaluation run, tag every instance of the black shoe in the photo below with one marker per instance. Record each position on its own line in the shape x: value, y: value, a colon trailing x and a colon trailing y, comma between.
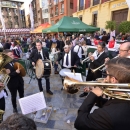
x: 49, y: 92
x: 61, y: 89
x: 15, y: 110
x: 83, y: 94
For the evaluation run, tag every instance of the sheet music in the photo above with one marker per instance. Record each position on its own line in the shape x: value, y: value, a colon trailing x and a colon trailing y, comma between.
x: 76, y: 76
x: 32, y: 103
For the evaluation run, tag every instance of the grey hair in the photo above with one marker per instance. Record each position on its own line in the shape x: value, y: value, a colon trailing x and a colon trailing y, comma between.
x: 77, y: 42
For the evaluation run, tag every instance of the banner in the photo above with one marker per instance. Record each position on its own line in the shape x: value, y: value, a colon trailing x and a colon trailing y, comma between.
x: 128, y: 3
x: 31, y: 16
x: 1, y: 19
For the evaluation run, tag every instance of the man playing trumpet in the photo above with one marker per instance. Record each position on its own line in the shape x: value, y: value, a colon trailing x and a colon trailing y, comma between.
x: 113, y: 114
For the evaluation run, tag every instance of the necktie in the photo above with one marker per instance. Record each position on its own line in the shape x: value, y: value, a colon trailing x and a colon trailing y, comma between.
x: 98, y: 54
x: 40, y: 55
x: 67, y: 60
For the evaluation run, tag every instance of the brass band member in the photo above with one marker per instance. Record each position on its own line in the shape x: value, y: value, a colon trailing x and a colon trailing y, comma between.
x: 97, y: 59
x: 16, y: 82
x: 70, y: 59
x: 3, y: 94
x: 43, y: 54
x: 114, y: 114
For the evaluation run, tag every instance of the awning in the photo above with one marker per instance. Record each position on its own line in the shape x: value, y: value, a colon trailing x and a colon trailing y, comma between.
x: 40, y: 28
x: 17, y: 31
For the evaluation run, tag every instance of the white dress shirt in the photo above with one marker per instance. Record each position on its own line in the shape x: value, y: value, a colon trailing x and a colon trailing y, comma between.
x: 3, y: 94
x: 41, y: 54
x: 95, y: 54
x: 78, y: 50
x: 69, y: 59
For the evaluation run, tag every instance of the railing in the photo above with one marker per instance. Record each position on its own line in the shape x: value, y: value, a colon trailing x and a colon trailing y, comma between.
x: 56, y: 13
x: 80, y: 8
x: 96, y: 2
x: 104, y: 1
x: 62, y: 11
x: 51, y: 15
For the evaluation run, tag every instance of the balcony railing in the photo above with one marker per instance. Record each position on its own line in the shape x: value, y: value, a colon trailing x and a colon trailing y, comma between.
x: 56, y: 2
x: 104, y: 1
x: 62, y: 11
x: 80, y: 8
x: 61, y: 0
x: 56, y: 13
x: 51, y: 15
x: 96, y: 2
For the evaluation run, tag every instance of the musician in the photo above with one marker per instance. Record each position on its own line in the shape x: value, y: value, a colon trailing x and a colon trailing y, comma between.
x: 16, y: 82
x: 97, y: 59
x: 113, y: 114
x: 69, y: 59
x: 3, y: 95
x: 37, y: 54
x: 124, y: 50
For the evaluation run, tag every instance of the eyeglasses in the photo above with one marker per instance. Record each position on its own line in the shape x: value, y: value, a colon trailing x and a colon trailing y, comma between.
x: 123, y: 50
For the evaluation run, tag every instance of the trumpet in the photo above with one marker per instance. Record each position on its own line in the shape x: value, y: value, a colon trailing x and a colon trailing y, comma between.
x: 102, y: 66
x: 86, y: 59
x: 109, y: 89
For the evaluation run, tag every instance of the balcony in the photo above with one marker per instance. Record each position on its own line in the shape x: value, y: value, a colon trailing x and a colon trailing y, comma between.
x: 80, y: 8
x: 103, y: 1
x: 51, y: 15
x: 56, y: 13
x: 61, y: 0
x: 96, y: 2
x: 55, y: 2
x: 62, y: 11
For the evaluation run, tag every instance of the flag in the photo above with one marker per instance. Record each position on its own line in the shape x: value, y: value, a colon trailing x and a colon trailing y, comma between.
x: 1, y: 19
x: 128, y: 3
x: 31, y: 17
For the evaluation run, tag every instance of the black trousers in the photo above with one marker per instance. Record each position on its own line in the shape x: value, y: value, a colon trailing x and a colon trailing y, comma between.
x: 2, y: 106
x: 13, y: 92
x: 47, y: 84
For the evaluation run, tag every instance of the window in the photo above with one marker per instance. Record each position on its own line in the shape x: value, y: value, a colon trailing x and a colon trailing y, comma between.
x: 46, y: 20
x: 81, y: 4
x: 52, y: 22
x: 95, y: 19
x: 96, y: 2
x: 71, y: 5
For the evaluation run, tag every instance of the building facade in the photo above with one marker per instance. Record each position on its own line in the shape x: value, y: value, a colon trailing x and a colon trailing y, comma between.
x: 45, y: 11
x: 13, y: 14
x: 37, y: 12
x: 97, y: 12
x: 60, y: 8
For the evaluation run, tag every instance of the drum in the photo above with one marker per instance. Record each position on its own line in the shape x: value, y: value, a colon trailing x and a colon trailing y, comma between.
x: 43, y: 68
x: 62, y: 72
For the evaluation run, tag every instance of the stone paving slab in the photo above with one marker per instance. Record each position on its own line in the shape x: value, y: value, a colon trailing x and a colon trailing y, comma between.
x: 65, y: 106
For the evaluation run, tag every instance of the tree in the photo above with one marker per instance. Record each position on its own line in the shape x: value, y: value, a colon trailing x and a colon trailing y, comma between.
x: 111, y: 25
x: 124, y: 27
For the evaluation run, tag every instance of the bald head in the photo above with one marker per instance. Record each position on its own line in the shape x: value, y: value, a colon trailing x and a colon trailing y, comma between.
x: 125, y: 49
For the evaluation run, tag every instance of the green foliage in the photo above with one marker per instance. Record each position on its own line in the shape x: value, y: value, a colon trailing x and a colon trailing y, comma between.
x: 110, y: 25
x: 124, y: 27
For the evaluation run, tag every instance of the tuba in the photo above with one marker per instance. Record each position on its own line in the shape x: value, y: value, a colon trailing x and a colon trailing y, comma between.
x: 4, y: 78
x: 72, y: 86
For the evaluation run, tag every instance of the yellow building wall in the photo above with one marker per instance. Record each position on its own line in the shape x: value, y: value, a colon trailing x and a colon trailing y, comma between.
x: 104, y: 12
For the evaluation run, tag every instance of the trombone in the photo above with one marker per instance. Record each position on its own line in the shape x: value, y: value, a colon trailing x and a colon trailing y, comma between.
x: 118, y: 90
x: 102, y: 66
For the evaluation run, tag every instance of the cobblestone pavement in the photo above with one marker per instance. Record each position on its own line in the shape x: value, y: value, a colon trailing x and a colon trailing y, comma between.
x: 65, y: 106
